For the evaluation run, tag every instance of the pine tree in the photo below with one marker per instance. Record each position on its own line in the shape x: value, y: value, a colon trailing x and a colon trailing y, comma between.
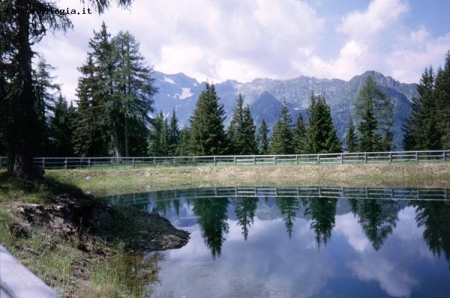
x: 320, y: 134
x: 299, y: 135
x: 185, y: 140
x: 21, y: 125
x: 369, y: 140
x: 373, y: 105
x: 159, y: 137
x: 207, y: 130
x: 241, y: 131
x: 46, y: 98
x: 89, y: 136
x: 174, y: 135
x: 350, y: 137
x: 442, y: 94
x: 282, y: 140
x: 62, y: 127
x: 262, y: 138
x: 131, y: 101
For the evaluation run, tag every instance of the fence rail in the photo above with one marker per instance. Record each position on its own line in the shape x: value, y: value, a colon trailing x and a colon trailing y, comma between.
x: 398, y: 194
x: 292, y: 159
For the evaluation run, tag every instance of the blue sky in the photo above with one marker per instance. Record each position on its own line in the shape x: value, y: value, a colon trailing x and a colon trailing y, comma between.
x: 217, y: 40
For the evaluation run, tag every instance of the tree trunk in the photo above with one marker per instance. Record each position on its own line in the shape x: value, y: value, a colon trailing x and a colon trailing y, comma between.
x: 127, y: 149
x: 22, y: 129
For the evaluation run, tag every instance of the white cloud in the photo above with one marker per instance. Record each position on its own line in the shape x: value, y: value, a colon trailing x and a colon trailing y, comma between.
x: 243, y: 40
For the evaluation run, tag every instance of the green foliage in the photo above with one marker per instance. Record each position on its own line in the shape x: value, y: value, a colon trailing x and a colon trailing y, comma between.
x: 374, y: 113
x: 207, y: 130
x: 115, y: 97
x: 62, y: 127
x: 299, y: 136
x: 183, y: 149
x: 320, y: 134
x: 159, y: 137
x: 174, y: 137
x: 262, y: 138
x: 282, y: 140
x: 350, y: 137
x: 241, y: 132
x: 21, y: 125
x: 428, y: 127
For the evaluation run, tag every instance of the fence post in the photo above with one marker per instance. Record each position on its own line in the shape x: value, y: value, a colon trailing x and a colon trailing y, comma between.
x: 318, y: 159
x: 445, y: 156
x: 275, y: 159
x: 390, y: 157
x: 195, y: 162
x: 215, y: 160
x: 132, y: 163
x: 154, y: 161
x: 417, y: 157
x: 342, y: 158
x: 365, y: 157
x: 254, y: 160
x: 296, y: 159
x: 89, y: 163
x: 112, y: 162
x: 65, y: 163
x: 234, y: 159
x: 43, y: 163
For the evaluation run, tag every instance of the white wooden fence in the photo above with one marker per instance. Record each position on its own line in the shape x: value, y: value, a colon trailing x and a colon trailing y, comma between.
x: 292, y: 159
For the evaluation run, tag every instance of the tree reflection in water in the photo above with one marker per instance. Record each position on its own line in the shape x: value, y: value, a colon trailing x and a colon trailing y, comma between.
x: 212, y: 219
x: 435, y: 217
x: 378, y: 218
x: 322, y: 212
x: 245, y: 212
x: 288, y: 208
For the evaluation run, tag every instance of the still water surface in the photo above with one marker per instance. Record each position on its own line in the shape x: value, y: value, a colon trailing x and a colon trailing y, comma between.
x: 303, y: 242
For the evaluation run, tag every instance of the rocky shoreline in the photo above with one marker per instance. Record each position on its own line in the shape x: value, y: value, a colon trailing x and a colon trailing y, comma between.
x: 95, y: 229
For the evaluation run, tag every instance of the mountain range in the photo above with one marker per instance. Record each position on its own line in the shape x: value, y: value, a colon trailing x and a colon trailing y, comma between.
x: 265, y: 96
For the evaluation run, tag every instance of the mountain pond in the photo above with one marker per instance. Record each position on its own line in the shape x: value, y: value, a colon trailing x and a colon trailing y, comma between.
x: 302, y: 242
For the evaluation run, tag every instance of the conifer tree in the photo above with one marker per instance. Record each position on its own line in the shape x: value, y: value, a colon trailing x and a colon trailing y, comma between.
x: 159, y: 137
x: 131, y: 101
x: 241, y: 131
x: 62, y: 127
x: 174, y: 135
x: 442, y: 94
x: 24, y: 23
x: 374, y: 106
x: 350, y: 137
x: 299, y: 135
x: 282, y: 140
x: 207, y: 129
x: 320, y: 134
x: 262, y: 138
x: 183, y: 148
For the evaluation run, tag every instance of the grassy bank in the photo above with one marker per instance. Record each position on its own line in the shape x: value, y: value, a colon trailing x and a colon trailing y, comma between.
x: 59, y: 262
x: 106, y: 182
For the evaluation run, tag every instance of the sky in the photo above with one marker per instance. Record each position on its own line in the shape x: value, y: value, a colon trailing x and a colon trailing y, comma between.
x: 217, y: 40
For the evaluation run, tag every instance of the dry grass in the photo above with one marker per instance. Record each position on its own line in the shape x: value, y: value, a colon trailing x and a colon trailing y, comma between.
x: 106, y: 182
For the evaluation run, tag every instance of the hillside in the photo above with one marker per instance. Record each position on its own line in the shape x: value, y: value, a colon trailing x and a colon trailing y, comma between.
x: 265, y: 96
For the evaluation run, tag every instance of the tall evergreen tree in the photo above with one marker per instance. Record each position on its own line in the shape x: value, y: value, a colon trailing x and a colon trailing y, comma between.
x: 62, y: 126
x: 282, y: 140
x: 442, y: 94
x: 159, y: 137
x: 263, y: 138
x: 374, y: 106
x: 207, y: 129
x: 23, y: 23
x: 350, y: 137
x: 46, y: 97
x: 241, y: 131
x: 174, y: 134
x: 299, y: 135
x: 131, y: 101
x: 183, y: 148
x: 320, y: 135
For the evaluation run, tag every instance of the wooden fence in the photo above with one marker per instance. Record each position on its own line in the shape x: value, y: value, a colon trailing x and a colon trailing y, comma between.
x: 292, y: 159
x: 398, y: 194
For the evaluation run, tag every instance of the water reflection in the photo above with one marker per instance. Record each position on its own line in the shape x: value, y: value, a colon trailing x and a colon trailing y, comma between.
x: 264, y: 242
